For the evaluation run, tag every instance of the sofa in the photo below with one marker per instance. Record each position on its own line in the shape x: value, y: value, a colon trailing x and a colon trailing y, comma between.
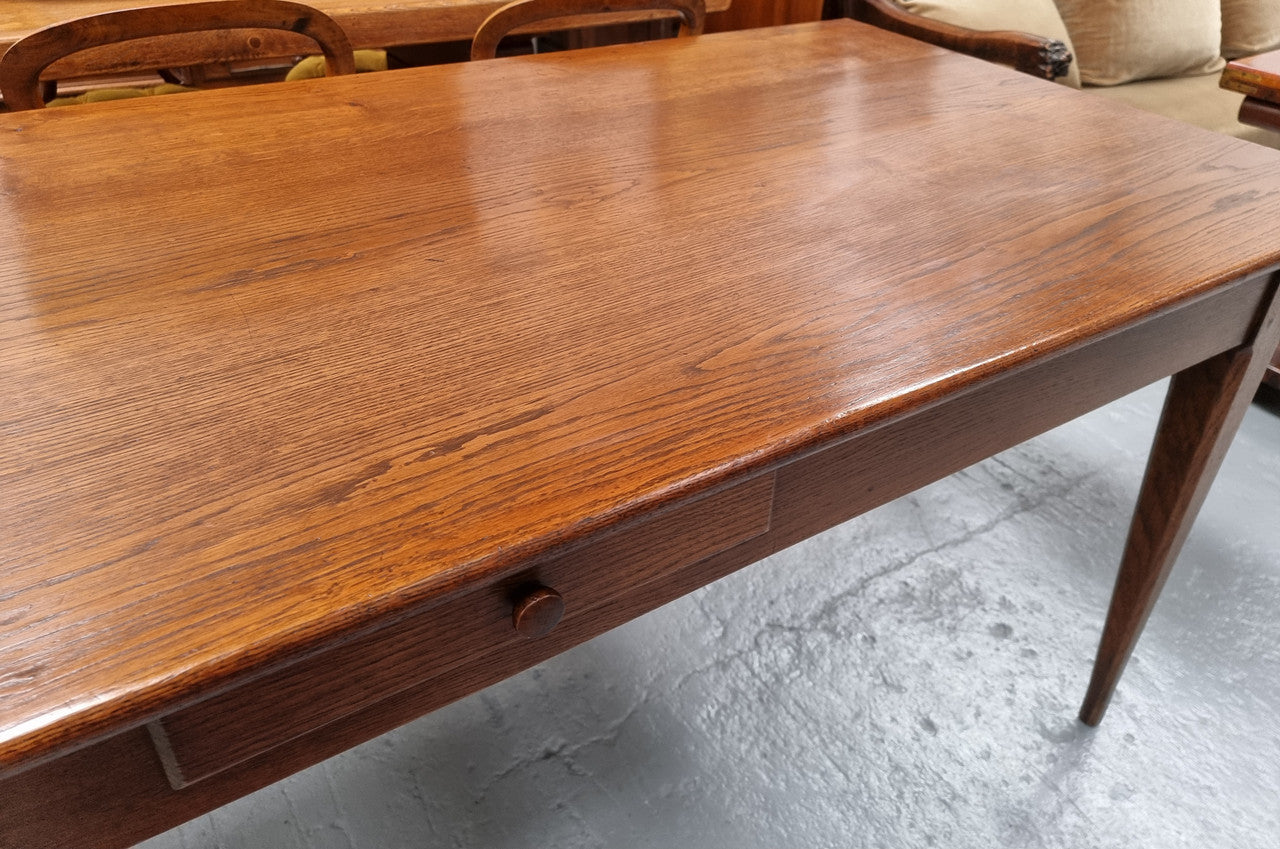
x: 1162, y: 56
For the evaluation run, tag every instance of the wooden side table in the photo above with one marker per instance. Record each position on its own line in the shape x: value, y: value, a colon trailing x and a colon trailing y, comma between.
x: 1258, y: 79
x: 749, y: 14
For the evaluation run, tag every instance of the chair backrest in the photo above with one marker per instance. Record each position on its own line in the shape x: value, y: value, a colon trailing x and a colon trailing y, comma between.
x: 23, y: 63
x: 693, y: 15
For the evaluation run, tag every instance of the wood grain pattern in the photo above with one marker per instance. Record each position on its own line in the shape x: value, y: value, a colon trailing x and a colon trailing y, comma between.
x: 89, y: 787
x: 367, y: 23
x: 1205, y: 405
x: 519, y: 15
x: 747, y: 14
x: 561, y: 294
x: 225, y: 729
x: 23, y: 64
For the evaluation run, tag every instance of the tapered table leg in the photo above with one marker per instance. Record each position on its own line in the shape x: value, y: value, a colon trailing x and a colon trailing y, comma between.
x: 1202, y: 411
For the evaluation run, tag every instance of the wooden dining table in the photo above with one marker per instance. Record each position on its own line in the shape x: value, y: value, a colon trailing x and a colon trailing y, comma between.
x: 367, y: 23
x: 326, y: 404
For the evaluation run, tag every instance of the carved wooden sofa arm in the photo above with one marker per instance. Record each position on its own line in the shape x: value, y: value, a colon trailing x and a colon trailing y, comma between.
x: 1031, y: 54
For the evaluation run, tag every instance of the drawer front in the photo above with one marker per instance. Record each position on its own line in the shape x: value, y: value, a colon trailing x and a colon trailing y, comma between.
x: 226, y: 729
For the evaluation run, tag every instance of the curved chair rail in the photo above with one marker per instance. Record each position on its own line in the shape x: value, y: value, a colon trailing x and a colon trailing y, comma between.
x: 23, y: 63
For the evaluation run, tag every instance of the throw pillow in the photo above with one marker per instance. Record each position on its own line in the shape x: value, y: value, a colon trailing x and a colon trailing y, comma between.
x: 1249, y: 27
x: 1118, y: 41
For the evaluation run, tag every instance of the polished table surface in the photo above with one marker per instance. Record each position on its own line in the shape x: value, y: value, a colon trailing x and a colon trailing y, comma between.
x: 306, y: 390
x: 367, y: 23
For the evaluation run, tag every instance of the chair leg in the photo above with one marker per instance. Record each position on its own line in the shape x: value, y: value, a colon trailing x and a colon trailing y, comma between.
x: 1201, y: 414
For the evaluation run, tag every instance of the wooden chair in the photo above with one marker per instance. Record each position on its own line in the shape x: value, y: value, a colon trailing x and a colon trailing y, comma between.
x: 521, y: 13
x: 25, y: 61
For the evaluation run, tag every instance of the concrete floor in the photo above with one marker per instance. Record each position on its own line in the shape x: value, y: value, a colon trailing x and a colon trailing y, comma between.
x: 907, y: 679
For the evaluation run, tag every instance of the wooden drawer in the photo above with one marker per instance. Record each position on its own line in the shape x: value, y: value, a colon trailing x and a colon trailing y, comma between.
x: 226, y: 729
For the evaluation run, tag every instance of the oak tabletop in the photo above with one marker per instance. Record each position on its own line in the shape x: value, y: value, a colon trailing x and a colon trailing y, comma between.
x: 284, y: 362
x: 368, y: 23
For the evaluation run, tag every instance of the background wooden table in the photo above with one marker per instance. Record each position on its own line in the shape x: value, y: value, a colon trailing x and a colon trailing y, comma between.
x: 1258, y: 78
x: 345, y: 371
x: 368, y: 24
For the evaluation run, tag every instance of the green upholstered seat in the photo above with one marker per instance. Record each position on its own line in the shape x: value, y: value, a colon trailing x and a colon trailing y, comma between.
x: 103, y: 94
x: 309, y: 68
x: 312, y: 67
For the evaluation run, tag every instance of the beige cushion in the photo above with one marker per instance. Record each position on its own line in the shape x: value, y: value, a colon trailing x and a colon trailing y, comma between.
x: 1121, y: 40
x: 1038, y: 17
x: 1194, y: 100
x: 1249, y: 27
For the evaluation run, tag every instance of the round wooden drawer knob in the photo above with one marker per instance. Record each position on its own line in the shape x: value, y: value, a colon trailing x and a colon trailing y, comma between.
x: 538, y: 612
